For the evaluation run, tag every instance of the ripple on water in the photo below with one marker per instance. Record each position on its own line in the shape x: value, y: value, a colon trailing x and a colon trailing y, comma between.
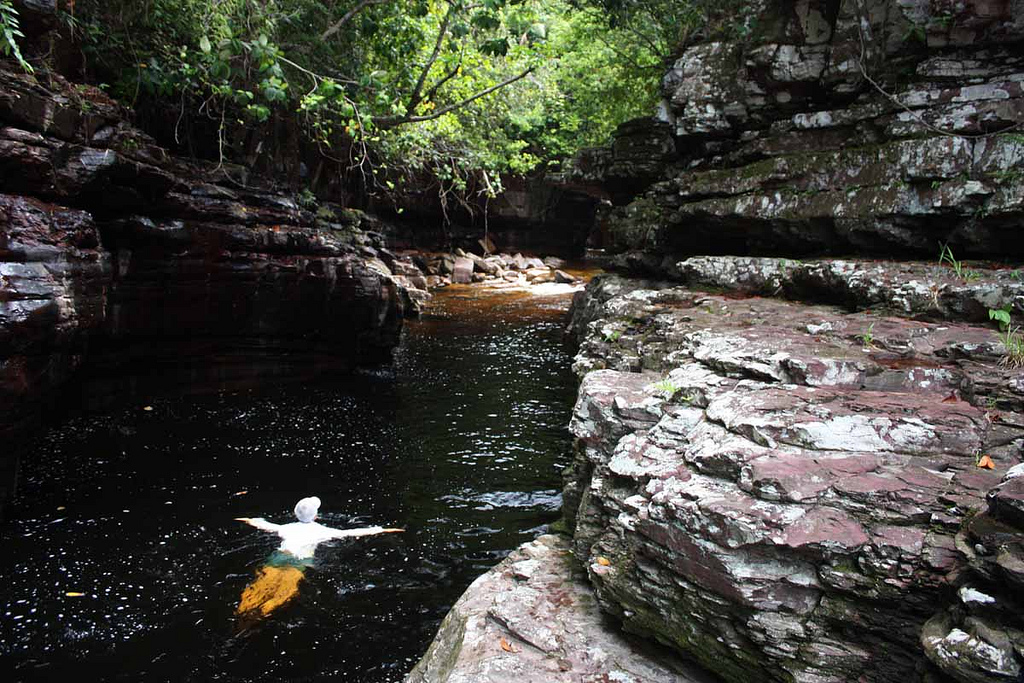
x: 122, y: 560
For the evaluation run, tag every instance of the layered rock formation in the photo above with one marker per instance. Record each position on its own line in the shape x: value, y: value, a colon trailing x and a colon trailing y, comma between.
x: 830, y: 126
x: 112, y: 251
x: 790, y: 491
x: 532, y: 618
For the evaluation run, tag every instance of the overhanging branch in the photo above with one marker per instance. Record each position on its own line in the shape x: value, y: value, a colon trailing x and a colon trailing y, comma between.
x: 347, y: 17
x: 393, y: 121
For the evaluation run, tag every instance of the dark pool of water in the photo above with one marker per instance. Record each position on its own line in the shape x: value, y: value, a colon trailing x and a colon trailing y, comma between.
x: 461, y: 443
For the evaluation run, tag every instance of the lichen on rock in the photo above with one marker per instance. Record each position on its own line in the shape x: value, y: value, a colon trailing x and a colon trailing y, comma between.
x: 781, y: 486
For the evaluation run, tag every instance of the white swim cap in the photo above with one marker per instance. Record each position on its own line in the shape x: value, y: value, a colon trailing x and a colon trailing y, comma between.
x: 306, y: 509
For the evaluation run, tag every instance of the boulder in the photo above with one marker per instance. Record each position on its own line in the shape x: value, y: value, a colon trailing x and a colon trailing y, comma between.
x: 462, y: 271
x: 487, y: 246
x: 538, y: 275
x: 482, y: 265
x: 534, y: 262
x: 435, y: 281
x: 554, y: 262
x: 564, y: 278
x: 533, y: 618
x: 407, y: 268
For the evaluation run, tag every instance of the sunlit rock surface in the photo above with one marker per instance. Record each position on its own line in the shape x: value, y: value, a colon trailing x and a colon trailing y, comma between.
x: 829, y: 127
x: 791, y: 491
x: 534, y: 618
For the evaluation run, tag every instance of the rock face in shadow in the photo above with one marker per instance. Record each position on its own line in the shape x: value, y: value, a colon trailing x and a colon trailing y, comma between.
x: 532, y: 618
x: 790, y: 491
x: 830, y: 127
x: 980, y: 636
x: 113, y: 252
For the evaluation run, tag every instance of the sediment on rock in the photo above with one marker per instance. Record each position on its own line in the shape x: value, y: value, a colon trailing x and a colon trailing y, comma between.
x: 787, y: 491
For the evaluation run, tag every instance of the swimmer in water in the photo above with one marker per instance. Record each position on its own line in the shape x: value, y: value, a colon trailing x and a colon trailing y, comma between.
x: 277, y: 582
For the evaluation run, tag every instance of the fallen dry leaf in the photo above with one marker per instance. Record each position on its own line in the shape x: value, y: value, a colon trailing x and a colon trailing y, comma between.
x: 241, y: 493
x: 148, y: 409
x: 952, y: 398
x: 603, y: 561
x: 74, y: 594
x: 507, y: 646
x: 986, y: 462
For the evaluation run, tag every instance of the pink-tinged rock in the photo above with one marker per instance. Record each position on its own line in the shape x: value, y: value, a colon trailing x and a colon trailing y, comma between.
x: 531, y: 619
x: 462, y: 271
x: 907, y: 541
x: 1007, y: 501
x: 774, y: 495
x: 828, y: 528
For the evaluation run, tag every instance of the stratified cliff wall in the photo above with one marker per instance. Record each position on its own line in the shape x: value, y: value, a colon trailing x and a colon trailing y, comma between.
x: 791, y: 491
x: 810, y: 470
x: 113, y: 252
x: 831, y: 126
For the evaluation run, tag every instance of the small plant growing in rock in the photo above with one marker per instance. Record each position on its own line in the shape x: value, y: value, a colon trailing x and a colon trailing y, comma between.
x: 1010, y: 338
x: 612, y: 336
x: 946, y: 256
x: 867, y: 338
x: 666, y: 387
x: 307, y: 199
x: 1000, y: 315
x: 1013, y: 341
x: 669, y: 391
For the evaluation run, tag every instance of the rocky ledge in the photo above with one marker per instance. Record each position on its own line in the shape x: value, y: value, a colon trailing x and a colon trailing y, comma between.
x: 796, y: 491
x: 115, y: 254
x: 534, y: 618
x: 824, y: 126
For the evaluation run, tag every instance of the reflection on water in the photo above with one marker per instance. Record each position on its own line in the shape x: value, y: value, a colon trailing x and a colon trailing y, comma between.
x: 122, y: 559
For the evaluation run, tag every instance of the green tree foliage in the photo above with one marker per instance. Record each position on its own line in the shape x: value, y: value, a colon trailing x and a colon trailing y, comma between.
x: 460, y: 91
x: 10, y: 32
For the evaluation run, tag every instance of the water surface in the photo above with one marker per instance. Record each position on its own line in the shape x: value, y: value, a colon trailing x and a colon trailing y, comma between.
x: 461, y: 442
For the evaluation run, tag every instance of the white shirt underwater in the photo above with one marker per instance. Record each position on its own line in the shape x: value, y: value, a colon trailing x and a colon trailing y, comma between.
x: 301, y: 538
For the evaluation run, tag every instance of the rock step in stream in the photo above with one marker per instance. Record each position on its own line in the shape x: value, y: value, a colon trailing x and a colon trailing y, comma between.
x: 781, y: 489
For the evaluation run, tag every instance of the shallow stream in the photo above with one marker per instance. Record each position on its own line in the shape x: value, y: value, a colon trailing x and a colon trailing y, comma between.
x: 121, y: 559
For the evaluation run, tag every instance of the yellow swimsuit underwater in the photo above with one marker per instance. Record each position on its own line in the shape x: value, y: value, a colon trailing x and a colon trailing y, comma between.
x: 278, y: 580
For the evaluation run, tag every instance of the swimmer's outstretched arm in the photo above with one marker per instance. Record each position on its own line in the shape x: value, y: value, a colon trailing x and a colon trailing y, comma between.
x: 260, y: 524
x: 367, y: 531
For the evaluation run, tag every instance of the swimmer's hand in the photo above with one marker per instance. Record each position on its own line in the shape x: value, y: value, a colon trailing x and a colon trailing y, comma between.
x: 259, y: 523
x: 391, y: 531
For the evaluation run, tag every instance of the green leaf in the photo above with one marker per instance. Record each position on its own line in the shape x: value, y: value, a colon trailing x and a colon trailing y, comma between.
x: 486, y: 21
x: 204, y: 44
